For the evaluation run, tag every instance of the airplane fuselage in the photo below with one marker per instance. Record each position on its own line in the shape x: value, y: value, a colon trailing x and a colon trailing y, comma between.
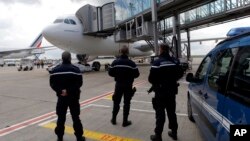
x: 70, y: 37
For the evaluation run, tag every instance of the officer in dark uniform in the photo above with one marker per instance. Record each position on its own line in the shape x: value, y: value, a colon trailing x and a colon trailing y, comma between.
x: 124, y: 72
x: 66, y: 81
x: 164, y: 74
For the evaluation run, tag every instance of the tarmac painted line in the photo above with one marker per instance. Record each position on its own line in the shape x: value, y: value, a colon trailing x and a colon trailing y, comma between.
x: 136, y: 110
x: 55, y: 117
x: 44, y: 117
x: 50, y: 115
x: 92, y: 134
x: 109, y: 97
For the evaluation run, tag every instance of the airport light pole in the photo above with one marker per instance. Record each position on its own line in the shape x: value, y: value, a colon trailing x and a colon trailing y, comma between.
x: 154, y: 22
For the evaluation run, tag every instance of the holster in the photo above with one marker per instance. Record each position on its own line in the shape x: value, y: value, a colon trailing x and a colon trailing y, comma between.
x: 154, y: 103
x: 133, y: 91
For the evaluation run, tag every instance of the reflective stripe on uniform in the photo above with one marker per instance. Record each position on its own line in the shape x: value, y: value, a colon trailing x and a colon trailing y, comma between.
x: 59, y: 73
x: 164, y: 65
x: 123, y: 66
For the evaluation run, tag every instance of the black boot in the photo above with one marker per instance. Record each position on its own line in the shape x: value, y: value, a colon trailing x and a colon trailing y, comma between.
x: 172, y: 134
x: 155, y: 138
x: 59, y: 138
x: 126, y: 123
x: 113, y: 121
x: 80, y: 138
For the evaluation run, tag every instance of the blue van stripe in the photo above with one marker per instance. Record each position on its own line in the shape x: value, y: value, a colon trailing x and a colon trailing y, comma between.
x: 219, y: 117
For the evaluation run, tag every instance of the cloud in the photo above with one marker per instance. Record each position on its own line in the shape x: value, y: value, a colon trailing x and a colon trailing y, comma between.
x: 93, y: 2
x: 5, y: 23
x: 21, y: 1
x: 22, y: 20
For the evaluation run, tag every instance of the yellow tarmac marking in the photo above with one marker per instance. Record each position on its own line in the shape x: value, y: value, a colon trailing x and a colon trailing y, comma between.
x: 109, y: 97
x: 92, y: 134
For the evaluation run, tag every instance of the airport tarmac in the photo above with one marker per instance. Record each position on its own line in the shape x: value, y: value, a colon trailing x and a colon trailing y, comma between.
x: 27, y: 109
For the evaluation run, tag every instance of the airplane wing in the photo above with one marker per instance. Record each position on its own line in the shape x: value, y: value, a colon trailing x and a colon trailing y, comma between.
x: 34, y: 49
x: 29, y: 51
x: 26, y: 49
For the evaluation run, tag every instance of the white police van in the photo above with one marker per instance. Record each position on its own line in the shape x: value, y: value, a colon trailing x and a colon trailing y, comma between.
x: 219, y: 92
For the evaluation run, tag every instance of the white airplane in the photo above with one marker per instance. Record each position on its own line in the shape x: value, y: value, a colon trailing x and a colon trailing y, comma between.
x: 67, y: 33
x: 33, y: 49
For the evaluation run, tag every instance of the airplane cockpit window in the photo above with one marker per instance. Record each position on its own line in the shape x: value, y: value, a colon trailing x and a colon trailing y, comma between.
x: 72, y: 22
x: 58, y: 21
x: 66, y: 21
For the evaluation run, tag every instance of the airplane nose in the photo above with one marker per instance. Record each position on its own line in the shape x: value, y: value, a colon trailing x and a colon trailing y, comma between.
x: 48, y: 33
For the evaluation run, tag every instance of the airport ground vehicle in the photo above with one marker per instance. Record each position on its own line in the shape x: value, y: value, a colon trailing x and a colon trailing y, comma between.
x: 94, y: 65
x: 25, y: 65
x: 1, y: 62
x: 218, y: 93
x: 58, y: 62
x: 10, y: 62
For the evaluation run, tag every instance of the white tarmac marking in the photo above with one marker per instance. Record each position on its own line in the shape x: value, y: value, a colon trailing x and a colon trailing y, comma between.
x: 137, y: 110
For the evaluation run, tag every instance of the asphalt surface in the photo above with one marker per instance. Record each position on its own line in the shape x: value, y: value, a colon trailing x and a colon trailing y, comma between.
x: 27, y: 109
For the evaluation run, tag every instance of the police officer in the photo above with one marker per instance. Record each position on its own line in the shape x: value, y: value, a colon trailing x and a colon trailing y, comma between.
x: 66, y: 81
x: 164, y: 74
x: 124, y: 72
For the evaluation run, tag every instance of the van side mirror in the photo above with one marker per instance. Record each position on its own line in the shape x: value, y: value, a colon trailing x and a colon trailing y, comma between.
x: 190, y: 77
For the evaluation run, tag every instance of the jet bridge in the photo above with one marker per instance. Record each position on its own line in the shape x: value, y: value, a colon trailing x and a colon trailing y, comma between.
x: 97, y: 21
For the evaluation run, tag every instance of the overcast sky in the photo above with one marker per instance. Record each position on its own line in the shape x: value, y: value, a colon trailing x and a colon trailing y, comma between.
x: 21, y: 21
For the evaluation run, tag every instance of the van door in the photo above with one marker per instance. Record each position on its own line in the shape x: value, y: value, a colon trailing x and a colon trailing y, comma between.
x: 196, y: 89
x: 237, y: 103
x: 214, y: 91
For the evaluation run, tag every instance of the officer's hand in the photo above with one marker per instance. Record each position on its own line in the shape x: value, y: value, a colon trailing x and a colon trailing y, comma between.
x: 64, y: 93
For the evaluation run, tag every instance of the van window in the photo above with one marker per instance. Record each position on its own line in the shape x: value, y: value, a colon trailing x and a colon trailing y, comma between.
x: 202, y: 70
x: 240, y: 81
x: 218, y: 75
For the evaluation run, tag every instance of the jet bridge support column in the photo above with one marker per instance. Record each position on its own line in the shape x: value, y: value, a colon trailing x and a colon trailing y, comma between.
x: 188, y: 46
x: 177, y: 35
x: 155, y: 31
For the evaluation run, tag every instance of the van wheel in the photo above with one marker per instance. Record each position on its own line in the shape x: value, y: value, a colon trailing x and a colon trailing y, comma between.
x: 189, y: 110
x: 96, y: 66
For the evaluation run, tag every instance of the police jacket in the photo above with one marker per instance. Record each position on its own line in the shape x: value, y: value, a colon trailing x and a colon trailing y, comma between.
x: 124, y: 70
x: 165, y: 72
x: 66, y: 76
